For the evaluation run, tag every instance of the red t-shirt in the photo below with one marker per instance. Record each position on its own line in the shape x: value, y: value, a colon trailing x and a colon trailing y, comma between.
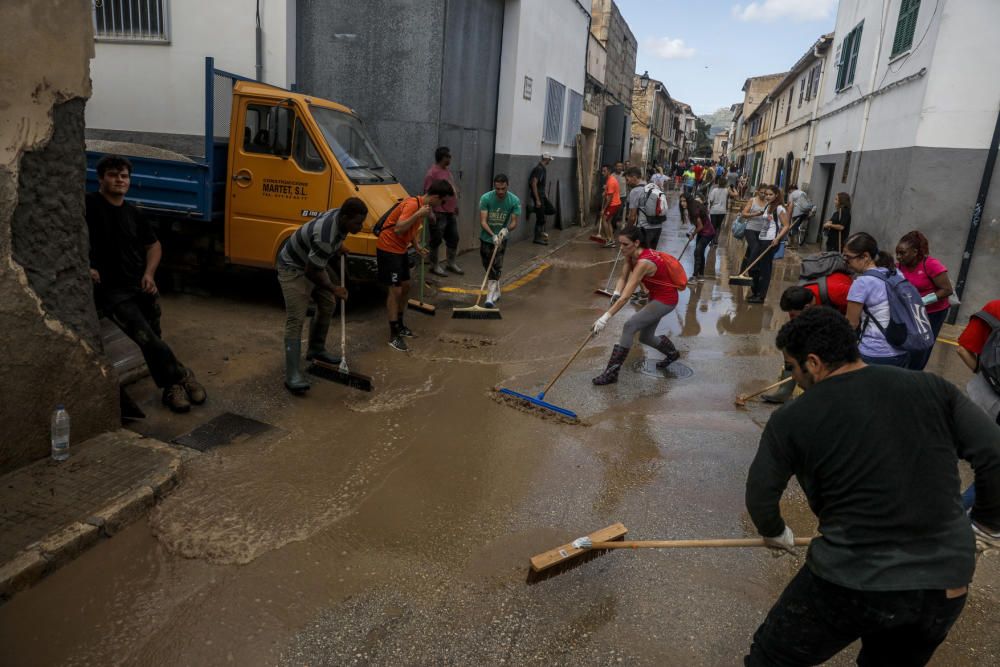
x: 659, y: 286
x: 697, y: 172
x: 436, y: 173
x: 977, y: 331
x: 837, y: 286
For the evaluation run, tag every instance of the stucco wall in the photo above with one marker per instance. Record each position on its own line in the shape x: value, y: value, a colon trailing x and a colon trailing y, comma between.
x: 48, y: 327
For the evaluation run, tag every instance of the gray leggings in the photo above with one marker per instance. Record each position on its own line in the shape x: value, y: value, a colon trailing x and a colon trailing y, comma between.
x: 645, y: 322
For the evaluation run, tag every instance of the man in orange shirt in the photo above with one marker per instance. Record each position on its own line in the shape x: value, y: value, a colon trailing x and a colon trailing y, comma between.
x: 400, y: 231
x: 611, y: 205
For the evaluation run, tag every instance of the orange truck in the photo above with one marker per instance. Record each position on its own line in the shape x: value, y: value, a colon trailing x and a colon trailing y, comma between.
x: 280, y: 159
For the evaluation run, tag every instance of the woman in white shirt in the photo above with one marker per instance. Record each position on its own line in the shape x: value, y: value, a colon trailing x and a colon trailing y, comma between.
x: 718, y: 204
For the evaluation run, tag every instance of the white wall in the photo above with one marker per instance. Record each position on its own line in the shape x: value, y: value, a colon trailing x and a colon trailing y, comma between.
x: 149, y: 87
x: 541, y: 38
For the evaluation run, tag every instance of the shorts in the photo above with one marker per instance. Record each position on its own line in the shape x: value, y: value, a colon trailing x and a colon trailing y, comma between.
x: 393, y: 268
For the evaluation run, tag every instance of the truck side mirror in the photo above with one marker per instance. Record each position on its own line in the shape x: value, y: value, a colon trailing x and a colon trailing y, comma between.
x: 281, y: 138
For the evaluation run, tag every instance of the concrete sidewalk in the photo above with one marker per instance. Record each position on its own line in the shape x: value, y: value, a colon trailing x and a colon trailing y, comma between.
x: 50, y: 512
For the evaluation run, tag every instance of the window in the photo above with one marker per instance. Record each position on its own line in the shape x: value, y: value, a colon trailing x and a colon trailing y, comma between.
x: 848, y: 60
x: 802, y: 88
x: 259, y: 130
x: 573, y: 117
x: 352, y: 146
x: 304, y: 151
x: 555, y: 99
x: 812, y: 85
x: 131, y: 20
x: 906, y: 25
x: 788, y: 108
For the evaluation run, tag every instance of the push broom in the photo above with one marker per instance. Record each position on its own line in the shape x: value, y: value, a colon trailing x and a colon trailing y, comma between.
x: 744, y: 279
x: 342, y: 373
x: 475, y: 311
x: 539, y: 400
x: 607, y: 287
x: 558, y: 560
x: 742, y: 399
x: 418, y: 304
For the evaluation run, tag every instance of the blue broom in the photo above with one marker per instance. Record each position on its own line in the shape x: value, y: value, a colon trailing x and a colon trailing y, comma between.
x: 538, y: 401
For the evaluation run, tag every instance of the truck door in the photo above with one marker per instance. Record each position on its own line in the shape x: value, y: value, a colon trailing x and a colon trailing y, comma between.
x: 279, y: 180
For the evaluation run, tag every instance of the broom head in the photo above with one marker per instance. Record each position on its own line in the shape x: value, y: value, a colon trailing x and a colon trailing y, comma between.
x: 741, y: 281
x: 335, y: 374
x: 559, y: 560
x: 475, y: 313
x: 538, y: 402
x: 422, y: 307
x: 603, y: 292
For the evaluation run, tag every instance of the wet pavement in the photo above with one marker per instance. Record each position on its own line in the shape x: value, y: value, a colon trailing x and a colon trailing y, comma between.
x: 395, y: 527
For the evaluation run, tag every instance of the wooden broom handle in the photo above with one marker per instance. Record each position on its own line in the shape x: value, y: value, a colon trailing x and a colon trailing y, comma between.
x: 692, y: 544
x: 487, y: 275
x: 563, y: 369
x: 770, y: 386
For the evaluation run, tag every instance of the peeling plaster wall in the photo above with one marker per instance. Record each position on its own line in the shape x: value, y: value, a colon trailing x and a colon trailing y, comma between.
x: 48, y: 328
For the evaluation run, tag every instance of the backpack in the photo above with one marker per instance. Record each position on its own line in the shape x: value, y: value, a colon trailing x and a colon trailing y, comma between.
x: 908, y: 329
x: 675, y: 272
x: 816, y: 268
x: 389, y: 217
x: 655, y: 210
x: 989, y: 358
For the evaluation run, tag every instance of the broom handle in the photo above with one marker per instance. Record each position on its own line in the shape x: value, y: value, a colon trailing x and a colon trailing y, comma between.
x: 487, y: 275
x: 690, y: 238
x: 423, y: 240
x: 614, y: 267
x: 692, y: 544
x: 770, y: 386
x: 745, y: 271
x: 343, y: 316
x: 563, y: 369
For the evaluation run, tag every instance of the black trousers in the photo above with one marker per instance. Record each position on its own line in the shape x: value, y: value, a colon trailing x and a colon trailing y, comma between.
x: 813, y: 620
x: 486, y: 251
x: 444, y: 228
x: 717, y: 220
x: 761, y: 272
x: 139, y: 318
x: 652, y: 236
x: 700, y: 250
x: 539, y: 213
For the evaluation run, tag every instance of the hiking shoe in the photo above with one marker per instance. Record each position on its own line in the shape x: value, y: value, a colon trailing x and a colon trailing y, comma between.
x: 194, y: 389
x: 175, y: 398
x: 398, y: 343
x: 404, y: 331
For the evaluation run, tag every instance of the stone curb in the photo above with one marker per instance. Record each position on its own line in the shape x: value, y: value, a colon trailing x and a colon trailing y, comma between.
x: 46, y: 556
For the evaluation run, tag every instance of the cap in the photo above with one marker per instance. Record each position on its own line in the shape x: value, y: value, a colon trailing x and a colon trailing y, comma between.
x: 546, y: 156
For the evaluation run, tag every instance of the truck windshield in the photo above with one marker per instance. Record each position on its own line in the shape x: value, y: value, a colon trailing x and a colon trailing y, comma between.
x: 353, y: 147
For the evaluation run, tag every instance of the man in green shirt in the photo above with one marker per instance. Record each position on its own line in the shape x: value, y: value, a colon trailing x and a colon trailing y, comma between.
x: 875, y: 450
x: 498, y: 211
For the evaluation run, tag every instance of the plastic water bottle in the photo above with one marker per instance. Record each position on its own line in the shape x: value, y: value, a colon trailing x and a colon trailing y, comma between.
x: 60, y: 434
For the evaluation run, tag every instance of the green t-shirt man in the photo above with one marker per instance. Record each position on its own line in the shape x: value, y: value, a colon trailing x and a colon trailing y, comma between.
x: 498, y: 212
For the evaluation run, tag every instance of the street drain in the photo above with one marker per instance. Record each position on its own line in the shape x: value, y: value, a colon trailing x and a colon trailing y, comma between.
x: 675, y: 371
x: 225, y: 429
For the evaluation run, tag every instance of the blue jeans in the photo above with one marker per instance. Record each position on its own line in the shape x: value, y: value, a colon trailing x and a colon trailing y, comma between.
x: 900, y: 361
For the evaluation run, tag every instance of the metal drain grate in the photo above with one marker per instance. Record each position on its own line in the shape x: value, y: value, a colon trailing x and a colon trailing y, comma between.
x: 225, y: 429
x: 675, y: 371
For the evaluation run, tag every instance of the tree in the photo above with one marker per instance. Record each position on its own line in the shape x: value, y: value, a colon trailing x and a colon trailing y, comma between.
x: 702, y: 140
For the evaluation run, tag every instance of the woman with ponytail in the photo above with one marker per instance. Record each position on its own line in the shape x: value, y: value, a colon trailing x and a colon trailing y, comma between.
x: 868, y: 300
x: 930, y: 277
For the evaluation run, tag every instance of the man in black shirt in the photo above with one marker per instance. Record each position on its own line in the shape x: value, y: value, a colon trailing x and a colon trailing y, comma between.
x: 124, y: 254
x: 536, y: 198
x: 875, y: 449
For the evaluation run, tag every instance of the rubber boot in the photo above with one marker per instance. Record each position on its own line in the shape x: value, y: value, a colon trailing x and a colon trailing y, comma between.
x: 437, y: 268
x: 317, y: 343
x: 666, y: 347
x: 610, y: 374
x: 492, y: 293
x: 782, y: 393
x: 452, y: 266
x: 294, y: 380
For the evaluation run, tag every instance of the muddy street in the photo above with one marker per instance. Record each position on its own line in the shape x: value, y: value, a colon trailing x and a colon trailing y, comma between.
x: 395, y: 527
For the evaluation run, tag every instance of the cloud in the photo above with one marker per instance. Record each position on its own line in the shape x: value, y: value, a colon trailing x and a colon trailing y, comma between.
x: 669, y: 49
x: 769, y: 11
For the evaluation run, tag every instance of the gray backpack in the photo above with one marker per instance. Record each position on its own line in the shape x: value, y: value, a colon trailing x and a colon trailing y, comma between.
x: 816, y: 268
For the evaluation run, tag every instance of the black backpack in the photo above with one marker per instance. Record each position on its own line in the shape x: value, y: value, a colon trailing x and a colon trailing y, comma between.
x: 377, y: 229
x: 816, y: 268
x: 989, y: 358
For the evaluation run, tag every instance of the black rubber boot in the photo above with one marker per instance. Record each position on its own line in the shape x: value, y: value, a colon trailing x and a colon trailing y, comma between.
x: 782, y: 393
x: 610, y: 374
x: 667, y: 348
x: 317, y: 342
x: 294, y: 380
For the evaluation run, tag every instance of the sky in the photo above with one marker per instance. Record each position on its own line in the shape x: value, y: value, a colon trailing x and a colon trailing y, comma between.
x: 703, y: 50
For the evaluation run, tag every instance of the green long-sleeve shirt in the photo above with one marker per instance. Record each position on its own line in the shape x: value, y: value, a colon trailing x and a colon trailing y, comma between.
x: 876, y: 452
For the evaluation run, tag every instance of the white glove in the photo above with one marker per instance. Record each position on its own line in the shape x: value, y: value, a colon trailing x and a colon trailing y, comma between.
x: 496, y: 239
x: 503, y: 233
x: 781, y: 543
x: 985, y: 538
x: 601, y: 322
x: 615, y: 297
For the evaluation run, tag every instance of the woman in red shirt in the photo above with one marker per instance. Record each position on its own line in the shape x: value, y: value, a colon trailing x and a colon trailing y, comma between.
x: 930, y: 277
x: 650, y: 268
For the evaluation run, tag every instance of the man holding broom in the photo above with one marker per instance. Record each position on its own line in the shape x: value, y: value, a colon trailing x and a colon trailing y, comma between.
x: 399, y: 232
x: 895, y: 552
x: 498, y: 211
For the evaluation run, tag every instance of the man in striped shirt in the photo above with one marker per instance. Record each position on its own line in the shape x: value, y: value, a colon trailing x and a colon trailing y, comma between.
x: 304, y: 271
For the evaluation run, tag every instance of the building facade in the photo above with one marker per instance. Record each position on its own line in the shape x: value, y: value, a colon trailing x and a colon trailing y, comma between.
x: 755, y: 91
x: 652, y: 123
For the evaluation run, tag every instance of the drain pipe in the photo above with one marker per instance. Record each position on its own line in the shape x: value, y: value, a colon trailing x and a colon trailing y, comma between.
x: 977, y: 217
x: 259, y: 66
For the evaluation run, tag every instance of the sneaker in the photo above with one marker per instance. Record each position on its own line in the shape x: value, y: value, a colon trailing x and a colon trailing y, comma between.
x: 405, y: 332
x: 610, y: 244
x: 541, y: 241
x: 398, y: 343
x: 755, y: 299
x: 194, y: 389
x: 175, y: 398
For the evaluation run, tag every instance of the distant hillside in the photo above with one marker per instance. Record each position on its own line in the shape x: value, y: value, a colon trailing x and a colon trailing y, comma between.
x: 719, y: 120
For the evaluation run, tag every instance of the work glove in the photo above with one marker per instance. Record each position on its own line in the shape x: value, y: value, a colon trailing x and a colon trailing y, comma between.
x: 615, y: 297
x: 496, y: 239
x: 930, y: 298
x: 781, y: 543
x: 601, y: 322
x: 986, y: 539
x: 503, y: 234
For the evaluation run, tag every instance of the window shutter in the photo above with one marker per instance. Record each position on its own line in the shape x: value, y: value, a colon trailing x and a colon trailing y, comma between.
x: 555, y: 98
x: 906, y: 26
x: 573, y: 116
x: 845, y: 50
x: 855, y: 46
